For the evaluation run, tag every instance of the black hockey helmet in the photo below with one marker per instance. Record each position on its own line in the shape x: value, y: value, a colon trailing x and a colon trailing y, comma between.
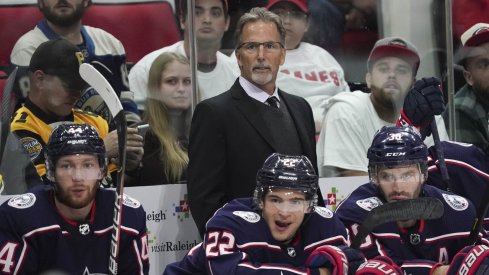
x: 71, y: 139
x: 396, y: 146
x: 289, y: 172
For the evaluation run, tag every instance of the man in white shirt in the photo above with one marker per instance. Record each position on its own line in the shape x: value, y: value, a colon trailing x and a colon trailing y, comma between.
x: 352, y: 119
x: 216, y: 71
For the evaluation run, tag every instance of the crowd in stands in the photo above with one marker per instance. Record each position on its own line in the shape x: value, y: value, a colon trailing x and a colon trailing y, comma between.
x: 275, y: 90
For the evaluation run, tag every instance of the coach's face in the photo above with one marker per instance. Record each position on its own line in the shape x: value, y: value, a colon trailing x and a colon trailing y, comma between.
x: 63, y: 13
x: 76, y: 180
x: 283, y: 210
x: 260, y: 65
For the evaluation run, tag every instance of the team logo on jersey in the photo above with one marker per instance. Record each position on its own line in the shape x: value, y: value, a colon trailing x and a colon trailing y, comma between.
x: 369, y: 203
x: 414, y: 238
x: 32, y: 146
x: 456, y: 202
x: 131, y: 202
x: 248, y: 216
x: 22, y: 201
x: 291, y: 251
x: 84, y: 228
x: 323, y: 212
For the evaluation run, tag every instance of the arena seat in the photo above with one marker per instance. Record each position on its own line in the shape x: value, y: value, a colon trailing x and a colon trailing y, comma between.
x: 15, y: 20
x: 141, y: 26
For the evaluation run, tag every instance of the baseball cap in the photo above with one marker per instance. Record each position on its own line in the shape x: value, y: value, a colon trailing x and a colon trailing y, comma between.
x: 61, y: 58
x: 397, y: 47
x: 472, y: 38
x: 302, y: 4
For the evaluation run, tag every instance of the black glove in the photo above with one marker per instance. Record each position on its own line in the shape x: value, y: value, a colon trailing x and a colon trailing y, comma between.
x: 423, y: 101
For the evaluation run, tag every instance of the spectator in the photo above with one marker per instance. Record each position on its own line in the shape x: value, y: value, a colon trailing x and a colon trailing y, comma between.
x: 309, y: 71
x: 56, y: 85
x: 352, y: 119
x: 233, y: 133
x: 103, y: 50
x: 64, y: 227
x: 216, y: 71
x: 276, y: 229
x: 168, y: 115
x: 398, y: 171
x: 471, y: 102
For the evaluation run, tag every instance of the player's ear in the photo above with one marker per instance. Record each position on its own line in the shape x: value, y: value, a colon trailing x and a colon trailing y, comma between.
x: 368, y: 79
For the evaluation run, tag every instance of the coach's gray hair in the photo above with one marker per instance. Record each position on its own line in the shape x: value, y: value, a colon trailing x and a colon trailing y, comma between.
x: 259, y: 14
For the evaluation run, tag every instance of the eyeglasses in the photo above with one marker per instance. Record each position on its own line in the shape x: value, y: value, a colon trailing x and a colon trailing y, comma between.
x: 293, y: 14
x: 408, y: 177
x: 253, y: 47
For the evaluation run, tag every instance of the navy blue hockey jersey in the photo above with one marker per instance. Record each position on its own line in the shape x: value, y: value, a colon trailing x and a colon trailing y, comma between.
x: 468, y: 169
x: 416, y: 250
x: 238, y: 241
x: 34, y: 237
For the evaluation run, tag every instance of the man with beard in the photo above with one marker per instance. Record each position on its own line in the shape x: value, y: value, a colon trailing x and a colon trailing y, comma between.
x: 233, y: 133
x: 351, y: 119
x: 63, y: 19
x: 472, y: 100
x: 216, y: 71
x: 398, y: 170
x: 66, y: 227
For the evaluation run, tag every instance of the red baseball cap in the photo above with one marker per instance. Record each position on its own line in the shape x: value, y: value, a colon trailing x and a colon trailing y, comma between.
x: 302, y: 4
x: 397, y: 47
x: 475, y: 35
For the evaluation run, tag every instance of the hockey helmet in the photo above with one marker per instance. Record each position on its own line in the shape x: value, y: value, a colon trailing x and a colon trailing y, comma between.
x: 71, y: 139
x: 288, y: 172
x: 396, y: 146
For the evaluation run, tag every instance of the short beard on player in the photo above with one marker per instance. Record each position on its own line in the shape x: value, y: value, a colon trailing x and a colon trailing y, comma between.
x: 393, y: 103
x: 64, y: 21
x: 63, y: 196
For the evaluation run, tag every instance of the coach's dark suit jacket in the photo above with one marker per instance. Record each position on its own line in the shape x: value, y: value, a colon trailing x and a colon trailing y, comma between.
x: 229, y: 141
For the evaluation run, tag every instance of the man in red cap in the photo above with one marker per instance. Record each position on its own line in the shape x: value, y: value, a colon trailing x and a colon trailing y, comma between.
x: 472, y: 101
x: 351, y: 119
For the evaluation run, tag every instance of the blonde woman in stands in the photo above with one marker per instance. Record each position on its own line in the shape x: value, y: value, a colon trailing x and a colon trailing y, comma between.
x: 168, y: 115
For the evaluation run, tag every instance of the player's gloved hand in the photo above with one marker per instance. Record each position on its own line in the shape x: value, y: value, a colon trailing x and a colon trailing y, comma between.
x: 330, y: 257
x: 470, y: 260
x: 379, y: 265
x: 423, y: 101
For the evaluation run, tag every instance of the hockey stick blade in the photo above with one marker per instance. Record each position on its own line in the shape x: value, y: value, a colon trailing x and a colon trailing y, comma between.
x: 420, y: 208
x: 95, y: 79
x: 6, y: 110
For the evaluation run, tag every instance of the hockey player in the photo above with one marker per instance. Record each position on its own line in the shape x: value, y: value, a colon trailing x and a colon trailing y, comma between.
x: 398, y: 171
x: 467, y: 164
x: 66, y: 227
x: 280, y: 229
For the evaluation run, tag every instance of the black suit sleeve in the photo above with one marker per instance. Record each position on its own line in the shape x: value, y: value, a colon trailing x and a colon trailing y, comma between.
x: 207, y: 164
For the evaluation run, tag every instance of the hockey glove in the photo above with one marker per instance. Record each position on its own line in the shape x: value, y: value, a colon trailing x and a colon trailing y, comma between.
x: 330, y: 257
x: 470, y: 260
x: 423, y: 101
x: 378, y: 266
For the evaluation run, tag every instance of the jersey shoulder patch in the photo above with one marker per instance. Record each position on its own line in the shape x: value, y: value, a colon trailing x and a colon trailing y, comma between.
x: 22, y: 201
x: 130, y: 201
x: 248, y: 216
x: 456, y: 202
x: 369, y: 203
x: 32, y: 146
x: 323, y: 212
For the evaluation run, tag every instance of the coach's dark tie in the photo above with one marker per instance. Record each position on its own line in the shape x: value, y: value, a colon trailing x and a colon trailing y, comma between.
x: 272, y: 101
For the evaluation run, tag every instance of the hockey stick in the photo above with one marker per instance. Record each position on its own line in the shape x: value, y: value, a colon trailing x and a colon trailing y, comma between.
x: 95, y: 79
x: 439, y: 153
x: 414, y: 209
x: 6, y: 110
x: 481, y: 214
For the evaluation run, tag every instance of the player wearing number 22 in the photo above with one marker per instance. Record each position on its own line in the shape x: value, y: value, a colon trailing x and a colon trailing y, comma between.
x: 279, y: 230
x: 398, y: 171
x: 66, y: 227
